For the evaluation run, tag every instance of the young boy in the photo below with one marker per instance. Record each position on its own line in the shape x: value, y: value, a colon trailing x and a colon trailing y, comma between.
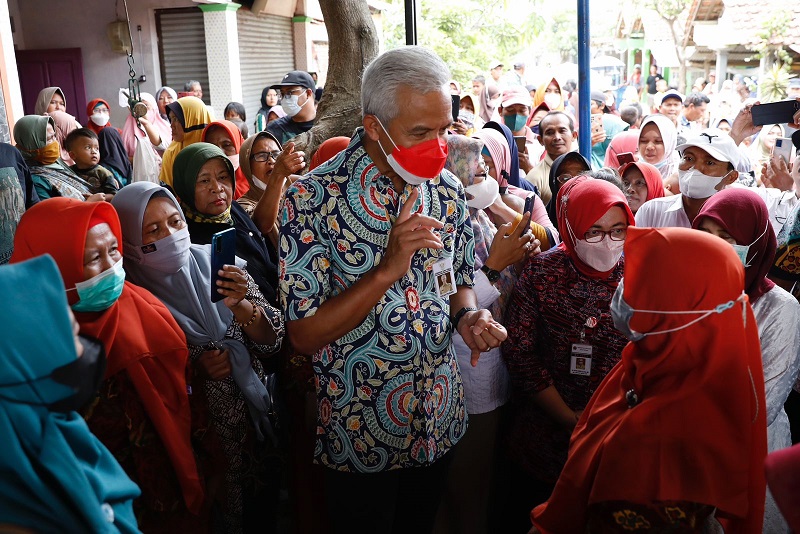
x: 84, y: 149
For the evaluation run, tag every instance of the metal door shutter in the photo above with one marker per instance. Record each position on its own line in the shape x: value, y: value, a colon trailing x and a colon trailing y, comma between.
x: 182, y: 48
x: 266, y: 53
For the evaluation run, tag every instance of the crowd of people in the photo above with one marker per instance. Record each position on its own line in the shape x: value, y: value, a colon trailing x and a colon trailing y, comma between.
x: 447, y: 324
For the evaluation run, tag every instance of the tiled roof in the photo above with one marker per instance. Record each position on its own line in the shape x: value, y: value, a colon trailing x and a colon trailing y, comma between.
x: 748, y: 18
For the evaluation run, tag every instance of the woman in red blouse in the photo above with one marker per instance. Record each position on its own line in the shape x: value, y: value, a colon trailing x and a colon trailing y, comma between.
x: 562, y: 341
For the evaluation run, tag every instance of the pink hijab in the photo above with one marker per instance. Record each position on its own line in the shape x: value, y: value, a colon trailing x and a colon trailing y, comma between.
x: 627, y: 141
x: 65, y: 123
x: 130, y: 131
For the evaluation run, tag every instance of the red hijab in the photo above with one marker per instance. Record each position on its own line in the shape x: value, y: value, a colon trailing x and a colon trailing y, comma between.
x: 90, y: 111
x: 327, y: 150
x: 655, y: 184
x: 744, y: 215
x: 582, y: 201
x: 235, y: 135
x: 138, y: 332
x: 698, y: 430
x: 783, y: 475
x: 627, y: 141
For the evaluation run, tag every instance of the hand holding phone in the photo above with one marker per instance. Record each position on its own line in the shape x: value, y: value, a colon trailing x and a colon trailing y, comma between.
x: 775, y: 112
x: 783, y: 149
x: 520, y: 141
x: 529, y: 210
x: 625, y: 158
x: 223, y: 252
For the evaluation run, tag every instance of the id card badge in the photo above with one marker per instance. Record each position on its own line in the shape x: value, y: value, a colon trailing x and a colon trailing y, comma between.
x: 443, y: 277
x: 581, y: 359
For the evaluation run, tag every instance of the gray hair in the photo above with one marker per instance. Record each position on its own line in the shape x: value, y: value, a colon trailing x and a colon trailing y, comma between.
x: 189, y: 86
x: 413, y: 66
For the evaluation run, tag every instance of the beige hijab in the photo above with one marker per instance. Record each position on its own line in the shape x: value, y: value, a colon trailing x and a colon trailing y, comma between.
x: 43, y: 100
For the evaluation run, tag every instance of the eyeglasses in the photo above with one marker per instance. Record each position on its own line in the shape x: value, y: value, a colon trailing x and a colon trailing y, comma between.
x: 292, y: 92
x: 564, y: 178
x: 595, y: 236
x: 100, y: 110
x: 263, y: 157
x: 638, y: 184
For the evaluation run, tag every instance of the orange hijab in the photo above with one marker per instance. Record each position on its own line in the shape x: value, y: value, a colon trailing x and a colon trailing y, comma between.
x: 698, y: 431
x: 138, y: 332
x: 328, y: 149
x: 235, y: 135
x: 582, y: 201
x: 538, y: 98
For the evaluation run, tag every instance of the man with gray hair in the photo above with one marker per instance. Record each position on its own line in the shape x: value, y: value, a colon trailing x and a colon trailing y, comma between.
x: 366, y: 239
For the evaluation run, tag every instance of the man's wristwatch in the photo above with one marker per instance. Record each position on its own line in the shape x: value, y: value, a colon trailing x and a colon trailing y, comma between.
x: 458, y: 316
x: 491, y: 274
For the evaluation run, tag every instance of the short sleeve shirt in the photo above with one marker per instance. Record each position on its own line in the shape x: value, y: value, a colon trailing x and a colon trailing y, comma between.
x: 389, y: 392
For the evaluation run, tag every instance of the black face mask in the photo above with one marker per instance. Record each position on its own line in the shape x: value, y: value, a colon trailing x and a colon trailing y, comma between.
x: 83, y: 375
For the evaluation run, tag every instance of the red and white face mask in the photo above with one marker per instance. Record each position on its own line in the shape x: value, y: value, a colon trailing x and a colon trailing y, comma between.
x: 418, y: 163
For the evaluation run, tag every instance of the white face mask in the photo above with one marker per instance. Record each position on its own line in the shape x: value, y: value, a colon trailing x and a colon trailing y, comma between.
x: 695, y: 184
x: 484, y: 194
x: 290, y: 106
x: 100, y: 119
x: 234, y: 161
x: 601, y: 256
x: 552, y: 100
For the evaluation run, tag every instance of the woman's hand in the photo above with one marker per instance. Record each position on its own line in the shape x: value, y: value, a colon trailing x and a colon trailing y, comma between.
x: 743, y: 126
x: 215, y: 364
x: 234, y: 288
x: 775, y: 173
x: 288, y: 162
x: 509, y: 247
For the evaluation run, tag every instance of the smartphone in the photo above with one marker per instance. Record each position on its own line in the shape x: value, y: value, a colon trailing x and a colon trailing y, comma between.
x: 597, y: 123
x: 528, y: 209
x: 775, y: 112
x: 456, y: 100
x: 783, y: 148
x: 223, y: 252
x: 625, y: 157
x: 520, y: 140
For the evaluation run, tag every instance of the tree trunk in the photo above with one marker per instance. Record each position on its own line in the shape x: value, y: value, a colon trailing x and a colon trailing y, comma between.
x: 352, y: 44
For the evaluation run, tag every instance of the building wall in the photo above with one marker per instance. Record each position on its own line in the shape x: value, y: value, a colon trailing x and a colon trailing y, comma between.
x: 82, y: 24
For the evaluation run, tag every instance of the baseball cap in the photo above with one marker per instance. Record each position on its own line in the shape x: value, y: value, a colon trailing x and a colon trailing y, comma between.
x: 296, y: 77
x: 600, y: 98
x: 794, y: 82
x: 717, y: 143
x: 494, y: 64
x: 672, y: 93
x: 516, y: 95
x: 519, y: 65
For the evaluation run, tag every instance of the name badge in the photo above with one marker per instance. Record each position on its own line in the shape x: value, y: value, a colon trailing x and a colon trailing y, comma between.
x: 581, y: 360
x: 444, y: 278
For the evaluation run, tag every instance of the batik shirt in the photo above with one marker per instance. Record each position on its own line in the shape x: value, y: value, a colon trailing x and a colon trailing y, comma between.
x: 389, y: 393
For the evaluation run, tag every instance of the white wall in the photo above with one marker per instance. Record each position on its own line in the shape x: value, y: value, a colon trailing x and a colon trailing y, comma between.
x: 82, y: 24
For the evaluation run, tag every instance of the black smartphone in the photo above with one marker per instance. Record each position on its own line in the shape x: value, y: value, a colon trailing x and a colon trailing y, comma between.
x: 529, y: 210
x: 520, y: 141
x: 223, y: 252
x: 775, y: 112
x: 625, y: 158
x: 456, y: 106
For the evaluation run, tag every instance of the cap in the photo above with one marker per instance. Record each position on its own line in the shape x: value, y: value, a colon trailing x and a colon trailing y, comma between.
x: 637, y: 66
x: 516, y: 95
x: 672, y: 93
x: 296, y: 77
x: 519, y: 65
x: 598, y: 96
x: 794, y: 82
x: 717, y: 143
x: 494, y: 64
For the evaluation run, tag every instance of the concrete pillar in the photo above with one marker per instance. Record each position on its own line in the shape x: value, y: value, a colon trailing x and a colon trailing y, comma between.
x: 222, y: 53
x: 303, y: 54
x: 722, y: 67
x: 645, y: 73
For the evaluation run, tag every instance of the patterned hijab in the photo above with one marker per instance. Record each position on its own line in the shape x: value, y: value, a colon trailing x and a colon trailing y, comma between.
x: 463, y: 156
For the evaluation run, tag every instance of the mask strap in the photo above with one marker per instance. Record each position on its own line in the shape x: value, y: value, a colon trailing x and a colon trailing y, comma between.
x: 717, y: 309
x: 387, y: 135
x: 746, y: 260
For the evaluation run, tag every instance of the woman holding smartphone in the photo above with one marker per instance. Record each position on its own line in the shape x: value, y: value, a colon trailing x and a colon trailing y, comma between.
x: 226, y: 339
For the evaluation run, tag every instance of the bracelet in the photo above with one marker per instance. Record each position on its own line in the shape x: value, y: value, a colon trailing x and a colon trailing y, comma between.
x: 252, y: 318
x: 458, y: 316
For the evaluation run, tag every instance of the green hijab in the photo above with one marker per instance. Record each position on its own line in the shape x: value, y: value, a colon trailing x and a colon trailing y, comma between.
x: 184, y: 174
x: 30, y: 131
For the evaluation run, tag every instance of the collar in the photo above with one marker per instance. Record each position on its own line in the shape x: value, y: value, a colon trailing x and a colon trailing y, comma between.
x: 676, y: 205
